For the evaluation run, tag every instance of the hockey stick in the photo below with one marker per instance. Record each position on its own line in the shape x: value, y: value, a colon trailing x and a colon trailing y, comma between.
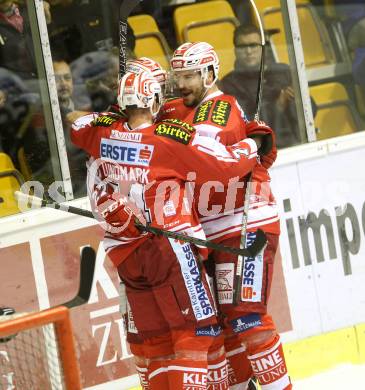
x: 260, y: 241
x: 125, y: 8
x: 241, y: 261
x: 262, y: 63
x: 87, y: 269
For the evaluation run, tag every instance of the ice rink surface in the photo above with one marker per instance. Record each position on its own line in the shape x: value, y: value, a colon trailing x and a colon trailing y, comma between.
x: 346, y: 376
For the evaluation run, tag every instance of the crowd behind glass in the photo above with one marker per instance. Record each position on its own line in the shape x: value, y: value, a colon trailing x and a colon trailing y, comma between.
x: 83, y: 36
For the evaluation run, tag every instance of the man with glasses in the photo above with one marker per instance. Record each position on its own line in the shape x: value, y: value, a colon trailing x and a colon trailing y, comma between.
x: 278, y: 106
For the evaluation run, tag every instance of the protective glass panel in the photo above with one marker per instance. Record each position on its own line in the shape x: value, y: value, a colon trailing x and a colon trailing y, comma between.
x: 231, y: 27
x: 336, y: 64
x: 28, y: 149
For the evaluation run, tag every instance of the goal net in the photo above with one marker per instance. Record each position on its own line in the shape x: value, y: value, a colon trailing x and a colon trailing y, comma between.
x: 37, y: 351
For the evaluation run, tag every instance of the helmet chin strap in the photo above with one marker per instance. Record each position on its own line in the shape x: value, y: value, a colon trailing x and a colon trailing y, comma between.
x: 204, y: 75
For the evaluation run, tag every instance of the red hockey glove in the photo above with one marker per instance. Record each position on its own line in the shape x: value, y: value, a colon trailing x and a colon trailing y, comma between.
x: 267, y: 150
x: 120, y: 215
x: 268, y: 159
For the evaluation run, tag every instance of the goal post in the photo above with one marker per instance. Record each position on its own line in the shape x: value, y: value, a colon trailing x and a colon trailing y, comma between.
x: 19, y: 342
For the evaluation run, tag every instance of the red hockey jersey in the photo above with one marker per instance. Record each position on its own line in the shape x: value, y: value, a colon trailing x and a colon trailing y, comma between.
x: 152, y: 164
x: 220, y: 116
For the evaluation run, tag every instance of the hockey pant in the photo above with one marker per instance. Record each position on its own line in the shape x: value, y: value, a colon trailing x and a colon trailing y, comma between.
x: 251, y: 341
x: 169, y: 299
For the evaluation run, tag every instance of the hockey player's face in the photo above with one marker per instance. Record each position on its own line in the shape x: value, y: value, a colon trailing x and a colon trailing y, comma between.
x: 190, y: 86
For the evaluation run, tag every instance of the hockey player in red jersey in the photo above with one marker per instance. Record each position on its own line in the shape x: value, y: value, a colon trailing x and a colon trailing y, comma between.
x: 250, y: 331
x: 147, y: 165
x: 217, y: 374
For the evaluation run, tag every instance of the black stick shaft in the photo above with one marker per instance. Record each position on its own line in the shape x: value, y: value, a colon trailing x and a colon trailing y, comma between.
x: 125, y: 9
x: 241, y: 260
x: 149, y: 229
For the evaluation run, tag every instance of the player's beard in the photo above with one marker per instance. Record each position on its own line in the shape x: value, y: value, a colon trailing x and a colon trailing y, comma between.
x: 198, y: 96
x: 192, y: 103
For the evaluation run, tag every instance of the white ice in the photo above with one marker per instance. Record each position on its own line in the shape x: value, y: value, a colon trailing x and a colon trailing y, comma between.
x: 345, y: 376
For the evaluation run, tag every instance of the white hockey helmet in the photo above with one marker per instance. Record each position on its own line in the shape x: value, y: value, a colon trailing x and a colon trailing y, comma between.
x: 196, y: 56
x: 147, y: 64
x: 139, y: 91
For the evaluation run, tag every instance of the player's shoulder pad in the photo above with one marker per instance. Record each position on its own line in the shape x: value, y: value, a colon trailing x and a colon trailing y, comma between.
x: 216, y: 111
x: 176, y: 130
x: 84, y: 121
x: 105, y: 119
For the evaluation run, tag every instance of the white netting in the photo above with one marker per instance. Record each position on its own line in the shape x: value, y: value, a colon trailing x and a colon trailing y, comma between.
x: 29, y: 360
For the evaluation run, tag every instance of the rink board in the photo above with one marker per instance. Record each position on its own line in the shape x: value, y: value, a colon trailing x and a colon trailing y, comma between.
x: 318, y: 298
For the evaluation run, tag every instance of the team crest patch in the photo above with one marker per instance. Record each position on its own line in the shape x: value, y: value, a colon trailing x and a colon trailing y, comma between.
x: 130, y: 153
x: 202, y: 113
x: 245, y: 323
x: 176, y: 132
x: 104, y: 120
x: 211, y: 330
x: 221, y: 113
x: 253, y: 274
x: 224, y: 276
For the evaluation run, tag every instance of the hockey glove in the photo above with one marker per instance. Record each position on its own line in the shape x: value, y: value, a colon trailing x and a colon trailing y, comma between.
x: 120, y: 215
x: 267, y: 150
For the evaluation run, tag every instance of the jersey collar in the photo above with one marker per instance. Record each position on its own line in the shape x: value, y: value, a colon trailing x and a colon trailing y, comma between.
x: 212, y: 96
x: 140, y: 127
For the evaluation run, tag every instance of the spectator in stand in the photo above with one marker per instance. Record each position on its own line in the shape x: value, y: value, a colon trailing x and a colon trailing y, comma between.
x: 71, y: 106
x: 278, y: 106
x: 16, y: 106
x: 19, y: 91
x: 69, y: 102
x: 36, y: 146
x: 98, y: 72
x: 15, y: 50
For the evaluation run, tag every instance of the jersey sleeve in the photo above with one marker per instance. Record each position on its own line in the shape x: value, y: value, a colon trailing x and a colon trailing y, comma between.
x: 221, y: 162
x: 82, y: 134
x: 209, y: 160
x: 87, y: 131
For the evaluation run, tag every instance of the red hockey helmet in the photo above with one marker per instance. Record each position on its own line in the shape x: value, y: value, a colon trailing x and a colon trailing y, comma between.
x: 196, y: 56
x: 139, y: 91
